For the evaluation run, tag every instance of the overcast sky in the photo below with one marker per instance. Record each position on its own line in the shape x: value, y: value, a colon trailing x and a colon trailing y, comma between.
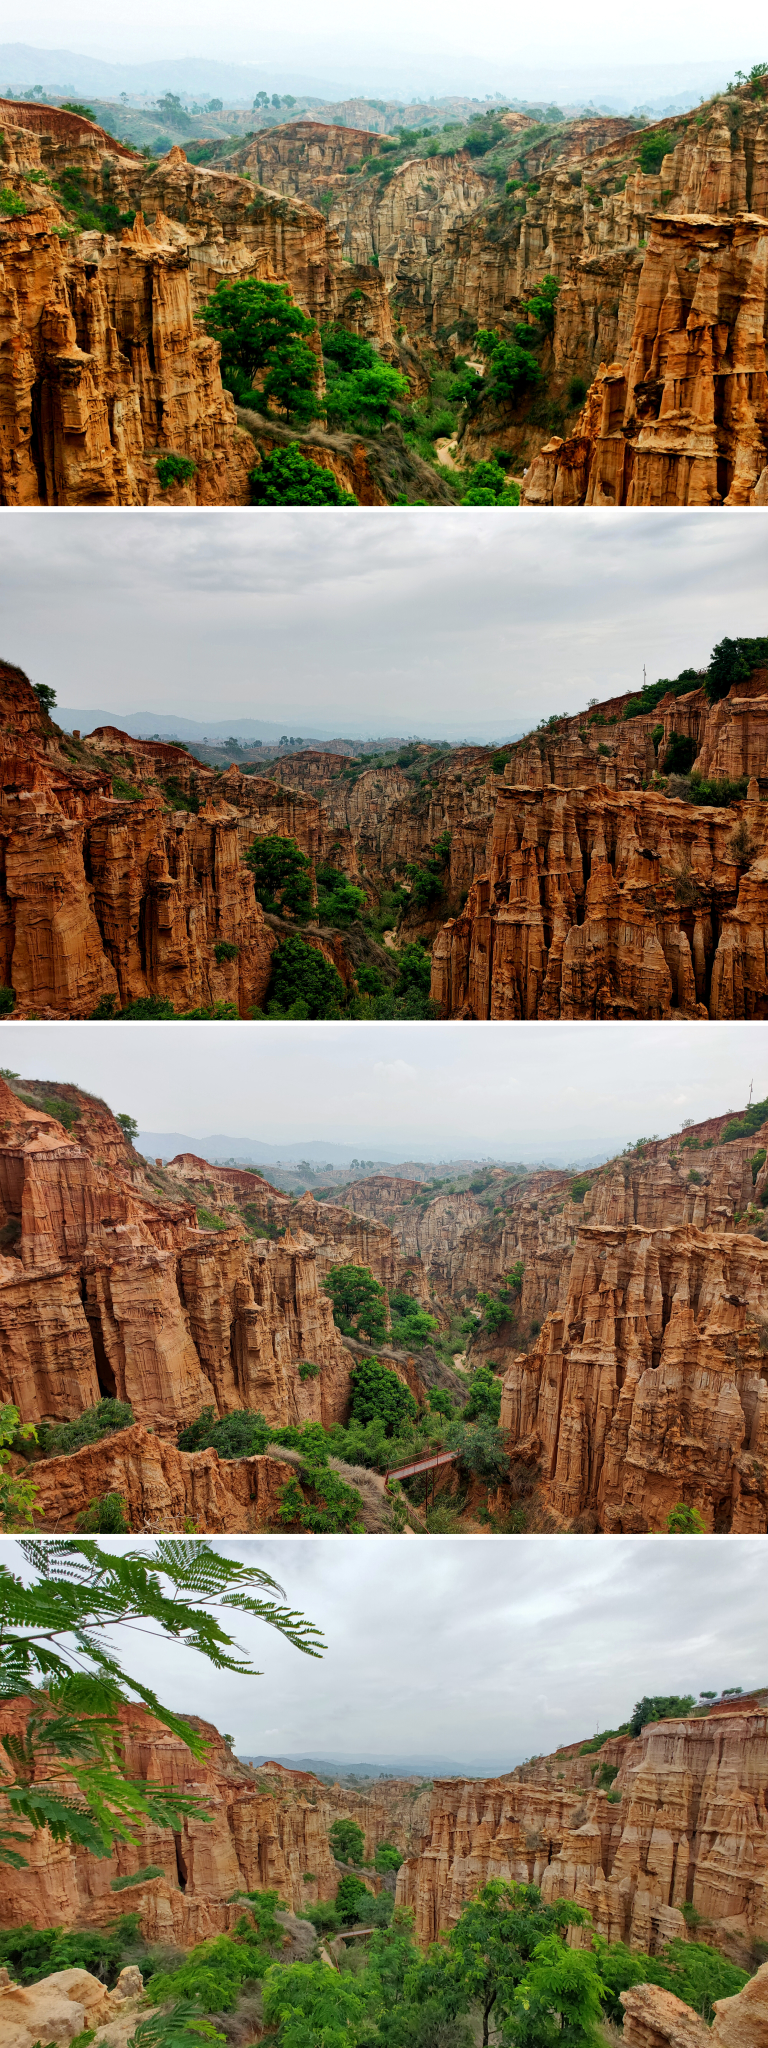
x: 438, y: 622
x: 404, y: 1091
x: 436, y: 39
x: 477, y: 1649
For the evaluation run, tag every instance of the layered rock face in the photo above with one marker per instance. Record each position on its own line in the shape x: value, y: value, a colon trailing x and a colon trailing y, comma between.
x: 128, y: 894
x: 605, y: 897
x: 102, y: 367
x: 259, y: 1830
x: 687, y: 1827
x: 106, y: 1290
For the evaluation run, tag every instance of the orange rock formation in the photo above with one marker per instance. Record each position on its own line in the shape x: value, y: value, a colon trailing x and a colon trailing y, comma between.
x: 685, y: 1828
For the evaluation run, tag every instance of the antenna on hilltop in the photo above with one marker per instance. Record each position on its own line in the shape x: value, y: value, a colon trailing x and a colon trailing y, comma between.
x: 751, y: 1086
x: 643, y: 675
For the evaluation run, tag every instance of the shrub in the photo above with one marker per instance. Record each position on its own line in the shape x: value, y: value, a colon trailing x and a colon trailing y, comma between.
x: 121, y: 1884
x: 743, y: 1126
x: 410, y: 1324
x: 350, y: 1895
x: 379, y: 1396
x: 281, y: 875
x: 361, y: 391
x: 347, y: 1841
x: 660, y: 1707
x: 414, y: 971
x: 308, y: 1371
x: 225, y: 950
x: 685, y: 1521
x: 30, y: 1953
x: 577, y: 391
x: 213, y: 1973
x: 243, y: 1434
x: 653, y: 150
x: 286, y: 477
x: 56, y: 1439
x: 104, y: 1516
x: 11, y: 203
x: 579, y: 1188
x: 334, y: 1509
x: 303, y: 983
x: 679, y: 754
x: 733, y: 661
x: 387, y: 1857
x: 174, y: 469
x: 7, y: 1001
x: 358, y: 1302
x: 484, y: 1396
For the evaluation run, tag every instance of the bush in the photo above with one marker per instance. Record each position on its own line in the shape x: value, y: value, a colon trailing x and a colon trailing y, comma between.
x: 174, y: 469
x: 414, y: 971
x: 261, y: 330
x: 281, y: 875
x: 308, y: 1371
x: 410, y: 1324
x: 577, y: 391
x: 213, y: 1973
x: 286, y: 477
x: 733, y: 661
x: 243, y: 1434
x: 660, y: 1707
x: 652, y: 693
x: 743, y: 1126
x: 653, y: 150
x: 387, y: 1857
x: 685, y: 1521
x: 30, y: 1953
x: 347, y: 1841
x: 335, y: 1509
x: 105, y: 1516
x: 11, y: 204
x: 379, y: 1396
x: 679, y: 754
x: 358, y: 1302
x: 351, y: 1895
x: 303, y: 983
x: 225, y: 950
x: 56, y: 1439
x: 122, y: 1884
x: 361, y: 390
x: 7, y: 1001
x: 484, y: 1396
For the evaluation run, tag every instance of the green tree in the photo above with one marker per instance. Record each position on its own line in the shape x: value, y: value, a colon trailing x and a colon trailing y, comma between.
x: 484, y: 1396
x: 359, y: 1308
x: 379, y: 1396
x: 361, y: 391
x: 733, y: 661
x: 414, y: 972
x: 55, y: 1652
x: 352, y: 1898
x: 45, y: 696
x: 660, y: 1707
x: 685, y: 1521
x: 129, y: 1125
x: 559, y: 2003
x: 262, y: 333
x: 17, y: 1494
x: 286, y: 477
x: 281, y: 875
x: 309, y: 2006
x: 493, y: 1942
x: 303, y: 983
x: 347, y: 1841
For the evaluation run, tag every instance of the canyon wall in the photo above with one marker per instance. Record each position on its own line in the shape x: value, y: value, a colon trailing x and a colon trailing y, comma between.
x: 259, y: 1829
x: 121, y: 870
x: 681, y: 1821
x: 607, y: 896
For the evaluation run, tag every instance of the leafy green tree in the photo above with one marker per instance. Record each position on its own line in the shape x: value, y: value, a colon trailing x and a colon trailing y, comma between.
x: 484, y: 1396
x: 559, y: 2003
x: 410, y: 1324
x: 17, y: 1494
x: 352, y: 1898
x: 379, y: 1396
x: 733, y: 661
x: 387, y: 1857
x: 129, y: 1125
x: 361, y: 391
x: 303, y: 983
x: 414, y: 972
x: 260, y: 330
x: 55, y: 1652
x: 281, y: 875
x: 174, y: 469
x: 359, y: 1308
x: 339, y: 902
x: 493, y: 1942
x: 660, y: 1707
x: 347, y: 1841
x: 286, y: 477
x: 45, y: 695
x: 653, y: 150
x: 309, y: 2006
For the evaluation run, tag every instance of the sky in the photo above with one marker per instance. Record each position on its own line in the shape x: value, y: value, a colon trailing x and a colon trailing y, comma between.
x: 481, y: 1650
x: 437, y: 38
x: 558, y: 1092
x: 445, y: 623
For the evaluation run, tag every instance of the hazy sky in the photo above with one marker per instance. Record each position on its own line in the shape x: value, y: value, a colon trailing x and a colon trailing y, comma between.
x: 437, y: 622
x: 496, y: 40
x: 476, y: 1648
x: 552, y: 1091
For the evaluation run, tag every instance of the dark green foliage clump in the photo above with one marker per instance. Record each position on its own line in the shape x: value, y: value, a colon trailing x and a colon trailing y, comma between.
x: 733, y: 661
x: 58, y: 1438
x: 7, y: 1001
x: 88, y: 211
x: 379, y: 1396
x: 242, y: 1434
x: 688, y: 679
x: 351, y: 1894
x: 660, y: 1707
x: 411, y: 1326
x: 653, y: 150
x: 281, y: 875
x: 743, y: 1126
x: 497, y: 1308
x: 174, y: 469
x: 303, y: 983
x: 29, y: 1953
x: 720, y: 792
x: 361, y: 391
x: 387, y: 1857
x: 347, y: 1841
x: 225, y: 950
x: 579, y: 1188
x: 484, y: 1396
x: 262, y: 333
x: 486, y: 483
x: 685, y: 1521
x: 693, y: 1972
x: 123, y: 1884
x: 679, y: 754
x: 105, y: 1516
x: 286, y: 477
x: 358, y: 1303
x: 214, y: 1973
x: 414, y: 971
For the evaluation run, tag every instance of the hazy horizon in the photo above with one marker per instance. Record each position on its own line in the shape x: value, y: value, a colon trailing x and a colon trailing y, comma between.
x: 451, y: 1090
x: 493, y: 1648
x: 405, y: 620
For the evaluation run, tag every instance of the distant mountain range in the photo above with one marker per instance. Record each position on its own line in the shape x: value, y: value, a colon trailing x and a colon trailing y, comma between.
x: 143, y: 724
x: 387, y: 1766
x: 222, y: 1147
x: 619, y: 88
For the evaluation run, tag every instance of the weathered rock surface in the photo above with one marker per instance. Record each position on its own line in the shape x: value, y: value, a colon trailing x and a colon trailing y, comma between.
x: 603, y: 895
x: 260, y: 1829
x: 687, y: 1827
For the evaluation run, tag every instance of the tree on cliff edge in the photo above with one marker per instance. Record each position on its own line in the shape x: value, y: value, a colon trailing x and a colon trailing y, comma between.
x: 59, y: 1665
